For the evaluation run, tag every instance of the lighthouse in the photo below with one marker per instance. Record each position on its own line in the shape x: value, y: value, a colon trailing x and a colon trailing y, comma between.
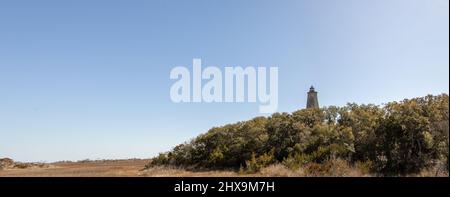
x: 312, y: 101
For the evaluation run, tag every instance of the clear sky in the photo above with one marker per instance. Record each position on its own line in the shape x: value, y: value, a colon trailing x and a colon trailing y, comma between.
x: 90, y: 78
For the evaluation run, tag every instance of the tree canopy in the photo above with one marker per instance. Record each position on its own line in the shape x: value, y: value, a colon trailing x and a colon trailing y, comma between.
x: 396, y: 138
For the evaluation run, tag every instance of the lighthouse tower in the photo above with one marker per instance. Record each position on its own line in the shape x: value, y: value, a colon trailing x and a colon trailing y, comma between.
x: 312, y: 101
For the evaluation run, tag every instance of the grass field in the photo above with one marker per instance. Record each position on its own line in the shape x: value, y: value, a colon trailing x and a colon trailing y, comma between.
x: 103, y: 168
x: 135, y: 168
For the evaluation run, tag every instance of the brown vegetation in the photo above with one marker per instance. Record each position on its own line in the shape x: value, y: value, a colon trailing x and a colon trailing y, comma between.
x: 7, y: 163
x: 85, y: 168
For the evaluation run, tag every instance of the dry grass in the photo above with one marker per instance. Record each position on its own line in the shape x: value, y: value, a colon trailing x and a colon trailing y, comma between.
x: 332, y: 168
x: 134, y: 168
x: 279, y: 170
x: 104, y: 168
x: 163, y: 171
x: 435, y: 171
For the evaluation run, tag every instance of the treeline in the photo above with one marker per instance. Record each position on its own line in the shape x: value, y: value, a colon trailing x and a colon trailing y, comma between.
x: 397, y: 138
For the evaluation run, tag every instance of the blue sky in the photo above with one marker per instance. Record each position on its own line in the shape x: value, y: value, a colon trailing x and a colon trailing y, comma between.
x: 90, y: 78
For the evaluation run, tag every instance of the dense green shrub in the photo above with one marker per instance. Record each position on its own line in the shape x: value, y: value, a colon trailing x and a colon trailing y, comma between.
x: 397, y: 138
x: 254, y: 164
x: 410, y: 136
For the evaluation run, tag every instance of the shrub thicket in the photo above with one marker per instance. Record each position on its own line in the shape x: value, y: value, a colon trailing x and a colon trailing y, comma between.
x: 395, y: 139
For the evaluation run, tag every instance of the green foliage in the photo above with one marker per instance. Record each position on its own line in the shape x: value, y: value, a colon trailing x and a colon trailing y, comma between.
x: 160, y: 159
x: 254, y: 164
x: 410, y: 136
x: 363, y: 120
x: 364, y: 166
x: 397, y: 138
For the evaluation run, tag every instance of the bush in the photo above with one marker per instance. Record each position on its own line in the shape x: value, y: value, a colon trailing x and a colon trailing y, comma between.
x: 333, y: 167
x: 397, y: 139
x: 254, y: 164
x: 407, y: 138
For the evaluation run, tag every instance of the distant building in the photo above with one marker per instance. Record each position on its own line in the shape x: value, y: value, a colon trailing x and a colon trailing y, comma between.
x: 312, y: 101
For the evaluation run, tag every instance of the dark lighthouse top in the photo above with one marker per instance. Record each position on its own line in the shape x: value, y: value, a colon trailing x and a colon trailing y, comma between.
x: 312, y: 101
